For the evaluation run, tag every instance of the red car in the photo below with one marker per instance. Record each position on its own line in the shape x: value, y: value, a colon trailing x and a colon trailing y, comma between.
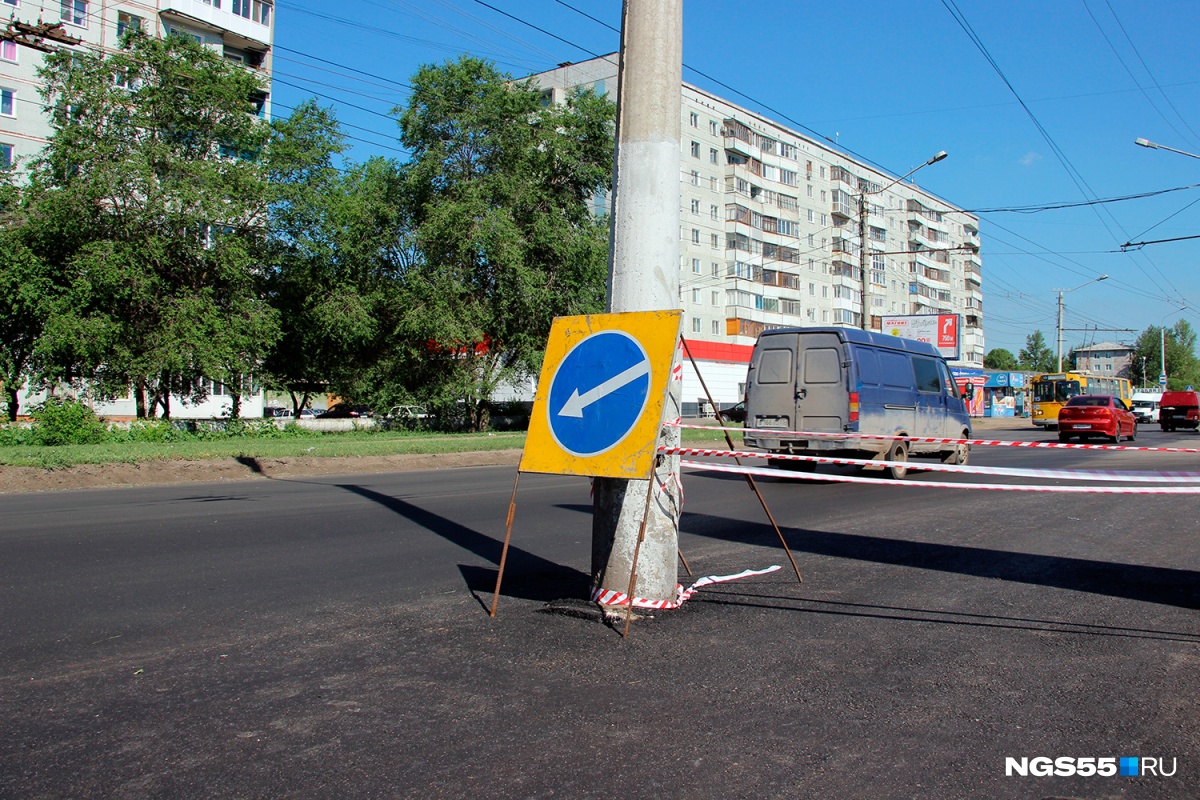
x: 1087, y: 415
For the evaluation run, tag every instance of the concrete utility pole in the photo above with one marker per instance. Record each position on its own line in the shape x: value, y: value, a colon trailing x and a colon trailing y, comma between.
x: 644, y: 276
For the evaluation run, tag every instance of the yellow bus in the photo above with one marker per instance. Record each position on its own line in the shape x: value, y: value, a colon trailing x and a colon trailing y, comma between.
x: 1050, y: 392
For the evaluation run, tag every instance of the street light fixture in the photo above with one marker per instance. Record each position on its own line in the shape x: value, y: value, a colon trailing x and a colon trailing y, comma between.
x: 1155, y: 146
x: 862, y: 229
x: 1061, y: 292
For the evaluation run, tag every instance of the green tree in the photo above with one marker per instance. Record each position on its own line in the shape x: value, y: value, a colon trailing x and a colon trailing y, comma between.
x: 1001, y: 359
x: 501, y: 192
x: 151, y: 198
x: 338, y: 253
x: 1179, y: 341
x: 1036, y: 355
x: 25, y: 288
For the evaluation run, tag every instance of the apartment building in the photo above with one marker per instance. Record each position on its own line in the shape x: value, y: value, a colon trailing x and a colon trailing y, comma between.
x: 1109, y: 359
x: 241, y: 29
x: 770, y: 236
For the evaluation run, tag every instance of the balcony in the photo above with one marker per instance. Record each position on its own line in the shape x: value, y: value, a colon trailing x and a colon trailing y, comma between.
x: 246, y: 32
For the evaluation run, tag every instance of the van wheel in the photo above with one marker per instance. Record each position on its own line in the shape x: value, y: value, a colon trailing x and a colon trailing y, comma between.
x: 898, y: 452
x: 958, y: 456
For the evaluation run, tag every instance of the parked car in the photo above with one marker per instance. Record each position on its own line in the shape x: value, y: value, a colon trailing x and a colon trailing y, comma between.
x: 307, y: 413
x: 1179, y: 410
x: 1087, y: 415
x: 409, y: 412
x: 344, y: 411
x: 735, y: 413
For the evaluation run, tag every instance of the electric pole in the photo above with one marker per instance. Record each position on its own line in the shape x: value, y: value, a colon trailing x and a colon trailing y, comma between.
x: 644, y: 276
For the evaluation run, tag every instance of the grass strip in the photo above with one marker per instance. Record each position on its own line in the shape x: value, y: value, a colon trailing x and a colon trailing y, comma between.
x: 326, y: 445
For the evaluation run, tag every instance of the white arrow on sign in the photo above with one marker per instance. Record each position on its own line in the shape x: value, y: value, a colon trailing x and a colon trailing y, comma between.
x: 577, y: 402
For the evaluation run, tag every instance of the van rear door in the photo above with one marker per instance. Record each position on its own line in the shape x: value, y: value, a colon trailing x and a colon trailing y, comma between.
x: 821, y: 393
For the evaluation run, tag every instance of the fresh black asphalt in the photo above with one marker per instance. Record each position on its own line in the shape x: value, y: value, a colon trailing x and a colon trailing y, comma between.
x: 328, y: 637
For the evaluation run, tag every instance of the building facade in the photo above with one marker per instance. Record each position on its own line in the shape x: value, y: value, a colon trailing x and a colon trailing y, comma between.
x: 771, y: 235
x: 1108, y: 359
x: 242, y: 30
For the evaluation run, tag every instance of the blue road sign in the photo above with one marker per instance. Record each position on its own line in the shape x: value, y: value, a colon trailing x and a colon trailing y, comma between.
x: 598, y: 393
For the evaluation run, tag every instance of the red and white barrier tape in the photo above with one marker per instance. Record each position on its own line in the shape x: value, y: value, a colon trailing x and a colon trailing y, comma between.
x: 1003, y: 487
x: 611, y: 597
x: 777, y: 433
x: 1049, y: 474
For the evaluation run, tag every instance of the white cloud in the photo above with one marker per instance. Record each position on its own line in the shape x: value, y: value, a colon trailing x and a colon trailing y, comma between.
x: 1029, y: 159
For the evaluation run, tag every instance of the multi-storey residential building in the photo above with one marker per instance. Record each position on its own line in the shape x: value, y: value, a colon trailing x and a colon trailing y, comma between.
x: 241, y: 29
x: 1108, y: 359
x: 770, y: 236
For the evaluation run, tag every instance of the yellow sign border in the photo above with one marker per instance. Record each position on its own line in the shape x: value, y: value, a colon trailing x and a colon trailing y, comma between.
x: 633, y: 456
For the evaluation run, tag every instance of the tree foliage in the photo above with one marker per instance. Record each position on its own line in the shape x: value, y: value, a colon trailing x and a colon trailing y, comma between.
x: 500, y: 190
x: 150, y: 200
x: 1001, y: 359
x: 1182, y: 365
x: 1036, y: 355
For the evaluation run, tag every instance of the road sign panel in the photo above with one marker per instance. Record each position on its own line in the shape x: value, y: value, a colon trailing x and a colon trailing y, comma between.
x: 600, y: 397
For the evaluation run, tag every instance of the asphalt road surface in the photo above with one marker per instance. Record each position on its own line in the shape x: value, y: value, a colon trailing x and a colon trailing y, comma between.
x: 328, y: 637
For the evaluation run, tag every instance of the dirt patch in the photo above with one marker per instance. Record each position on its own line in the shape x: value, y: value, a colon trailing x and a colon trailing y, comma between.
x: 149, y: 473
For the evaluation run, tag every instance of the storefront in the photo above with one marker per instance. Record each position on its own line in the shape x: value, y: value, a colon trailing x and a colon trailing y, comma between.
x: 1005, y: 394
x: 971, y: 382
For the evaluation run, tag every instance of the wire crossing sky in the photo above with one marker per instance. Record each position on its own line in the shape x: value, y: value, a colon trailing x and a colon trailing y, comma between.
x: 1038, y: 105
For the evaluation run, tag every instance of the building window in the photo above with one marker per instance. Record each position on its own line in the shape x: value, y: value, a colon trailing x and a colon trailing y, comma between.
x: 695, y: 236
x: 714, y: 241
x: 695, y: 178
x: 716, y: 327
x: 6, y: 156
x: 75, y: 12
x: 8, y: 50
x: 712, y: 155
x: 696, y: 266
x: 695, y: 206
x: 8, y: 103
x: 716, y: 269
x: 716, y: 298
x: 695, y: 149
x: 695, y: 324
x: 128, y: 22
x: 713, y: 128
x: 713, y: 212
x: 694, y: 119
x: 12, y: 3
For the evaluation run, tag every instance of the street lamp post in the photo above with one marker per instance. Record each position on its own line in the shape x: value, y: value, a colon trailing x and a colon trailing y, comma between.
x: 1061, y: 292
x: 1156, y: 146
x: 862, y: 230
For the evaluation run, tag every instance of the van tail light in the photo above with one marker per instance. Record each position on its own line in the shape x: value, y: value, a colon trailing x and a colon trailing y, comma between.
x: 854, y: 406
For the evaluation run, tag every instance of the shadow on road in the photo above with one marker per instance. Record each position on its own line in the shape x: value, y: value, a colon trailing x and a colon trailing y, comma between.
x: 1163, y: 585
x: 526, y: 575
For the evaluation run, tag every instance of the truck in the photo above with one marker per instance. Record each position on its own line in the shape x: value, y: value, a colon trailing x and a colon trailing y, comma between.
x: 1145, y: 406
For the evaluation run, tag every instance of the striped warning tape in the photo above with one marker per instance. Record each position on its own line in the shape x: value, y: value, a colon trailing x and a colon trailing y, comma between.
x: 1050, y: 474
x: 777, y: 433
x: 611, y: 597
x: 1003, y: 487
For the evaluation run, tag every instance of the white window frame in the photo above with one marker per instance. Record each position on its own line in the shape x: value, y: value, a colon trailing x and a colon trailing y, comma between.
x: 12, y: 99
x: 14, y: 48
x: 69, y: 9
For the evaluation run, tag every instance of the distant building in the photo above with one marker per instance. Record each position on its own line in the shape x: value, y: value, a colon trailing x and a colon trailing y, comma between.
x: 1109, y: 359
x: 769, y: 237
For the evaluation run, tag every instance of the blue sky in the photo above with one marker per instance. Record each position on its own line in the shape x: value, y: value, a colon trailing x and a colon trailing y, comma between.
x: 892, y: 82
